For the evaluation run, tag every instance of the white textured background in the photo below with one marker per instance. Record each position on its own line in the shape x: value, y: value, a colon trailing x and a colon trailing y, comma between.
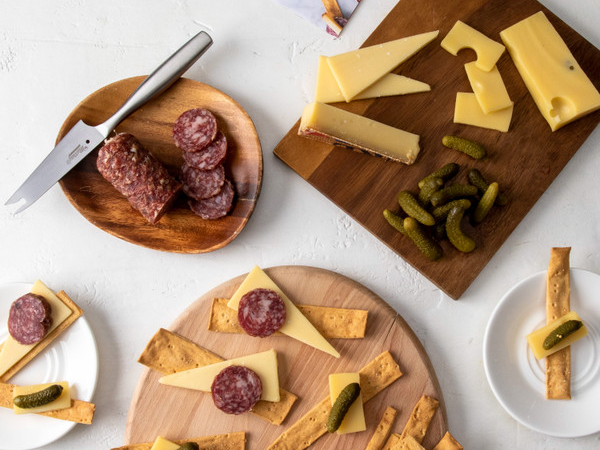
x: 55, y: 53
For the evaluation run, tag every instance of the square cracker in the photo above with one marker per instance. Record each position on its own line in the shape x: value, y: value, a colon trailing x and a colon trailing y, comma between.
x: 383, y: 430
x: 229, y: 441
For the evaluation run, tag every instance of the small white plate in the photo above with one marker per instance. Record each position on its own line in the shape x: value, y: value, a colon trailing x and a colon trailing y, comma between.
x: 72, y: 357
x: 518, y: 379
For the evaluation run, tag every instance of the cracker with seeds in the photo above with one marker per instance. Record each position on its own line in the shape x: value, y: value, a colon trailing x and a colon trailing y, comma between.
x: 383, y: 430
x: 229, y: 441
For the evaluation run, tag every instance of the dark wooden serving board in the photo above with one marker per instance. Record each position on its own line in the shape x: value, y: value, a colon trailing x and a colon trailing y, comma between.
x: 524, y: 161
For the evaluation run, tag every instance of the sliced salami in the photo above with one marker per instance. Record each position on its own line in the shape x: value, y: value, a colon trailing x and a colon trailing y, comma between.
x: 201, y: 184
x: 194, y: 129
x: 29, y: 319
x: 216, y: 206
x: 261, y: 312
x: 236, y: 389
x: 209, y: 157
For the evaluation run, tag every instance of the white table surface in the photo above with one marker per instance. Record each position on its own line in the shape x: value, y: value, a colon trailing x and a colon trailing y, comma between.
x: 55, y: 53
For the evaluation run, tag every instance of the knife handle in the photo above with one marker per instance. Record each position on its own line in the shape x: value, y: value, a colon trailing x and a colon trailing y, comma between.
x: 161, y: 79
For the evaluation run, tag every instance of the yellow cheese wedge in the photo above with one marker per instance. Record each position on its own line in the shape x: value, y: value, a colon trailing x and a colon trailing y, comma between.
x: 356, y: 70
x: 488, y: 87
x: 201, y: 378
x: 12, y: 351
x: 558, y: 85
x: 468, y: 111
x: 536, y: 339
x: 62, y: 402
x: 163, y: 444
x: 335, y: 126
x: 354, y: 420
x: 296, y: 324
x: 463, y: 36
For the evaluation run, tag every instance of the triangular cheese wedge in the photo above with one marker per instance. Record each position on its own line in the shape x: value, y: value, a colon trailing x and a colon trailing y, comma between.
x: 163, y: 444
x: 296, y: 325
x: 356, y: 70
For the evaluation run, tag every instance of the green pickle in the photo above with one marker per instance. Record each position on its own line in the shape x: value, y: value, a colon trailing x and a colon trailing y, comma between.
x: 341, y: 406
x: 413, y: 208
x: 486, y: 203
x: 473, y: 149
x: 39, y: 398
x: 189, y: 446
x: 476, y: 179
x: 445, y: 173
x: 456, y: 236
x: 430, y: 186
x: 451, y: 192
x: 561, y: 332
x: 422, y: 240
x: 394, y: 220
x: 441, y: 212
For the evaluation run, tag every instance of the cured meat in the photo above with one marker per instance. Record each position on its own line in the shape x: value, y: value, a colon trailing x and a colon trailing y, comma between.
x: 261, y: 312
x: 29, y: 319
x: 201, y: 184
x: 138, y: 175
x: 194, y: 129
x: 209, y: 157
x: 216, y: 206
x: 236, y: 389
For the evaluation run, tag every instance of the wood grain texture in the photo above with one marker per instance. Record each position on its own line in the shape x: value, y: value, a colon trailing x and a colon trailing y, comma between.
x: 157, y: 409
x: 180, y: 230
x: 524, y: 161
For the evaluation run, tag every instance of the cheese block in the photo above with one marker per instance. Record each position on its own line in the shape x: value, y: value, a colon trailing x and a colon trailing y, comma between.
x: 463, y: 36
x: 296, y: 324
x: 62, y: 402
x: 488, y: 87
x: 335, y: 126
x: 12, y: 351
x: 558, y: 85
x: 354, y: 420
x: 468, y: 111
x: 163, y: 444
x: 356, y: 70
x: 201, y: 378
x: 536, y: 338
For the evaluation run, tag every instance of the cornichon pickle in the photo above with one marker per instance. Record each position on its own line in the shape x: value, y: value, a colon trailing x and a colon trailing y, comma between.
x: 422, y: 240
x: 39, y: 398
x: 476, y: 179
x: 486, y: 203
x: 342, y: 405
x: 451, y: 192
x: 394, y: 220
x: 430, y: 186
x: 561, y: 332
x: 441, y: 212
x: 445, y: 173
x: 189, y: 446
x: 456, y: 236
x: 473, y: 149
x: 411, y: 206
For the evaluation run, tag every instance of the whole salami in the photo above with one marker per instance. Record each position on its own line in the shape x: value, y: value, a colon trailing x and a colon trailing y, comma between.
x: 194, y: 129
x: 261, y: 312
x: 236, y: 389
x: 29, y: 319
x: 138, y: 175
x: 209, y: 157
x: 201, y: 184
x: 216, y: 206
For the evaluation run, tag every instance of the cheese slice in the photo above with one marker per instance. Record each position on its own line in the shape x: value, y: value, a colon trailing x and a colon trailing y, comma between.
x: 62, y: 402
x: 354, y: 420
x: 558, y: 85
x: 12, y: 351
x: 335, y: 126
x: 163, y: 444
x: 201, y: 378
x: 488, y: 87
x: 468, y: 111
x: 356, y: 70
x: 296, y: 324
x: 536, y: 338
x: 462, y: 36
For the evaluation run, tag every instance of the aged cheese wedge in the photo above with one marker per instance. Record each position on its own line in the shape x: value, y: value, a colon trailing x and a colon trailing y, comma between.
x: 356, y: 70
x: 62, y: 402
x: 536, y: 338
x: 296, y: 324
x: 163, y: 444
x: 201, y: 378
x: 462, y: 36
x: 335, y: 126
x: 488, y: 87
x: 468, y: 111
x: 354, y: 420
x: 558, y: 85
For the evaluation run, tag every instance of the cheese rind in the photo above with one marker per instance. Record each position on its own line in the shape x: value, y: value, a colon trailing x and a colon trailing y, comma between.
x: 537, y: 337
x: 462, y: 36
x: 163, y: 444
x: 354, y: 420
x: 62, y: 402
x: 488, y: 87
x: 468, y: 111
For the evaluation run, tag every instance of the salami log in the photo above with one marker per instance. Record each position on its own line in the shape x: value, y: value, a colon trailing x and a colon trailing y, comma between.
x: 138, y: 175
x: 209, y: 157
x: 236, y: 389
x: 29, y: 319
x: 216, y: 206
x: 261, y: 312
x: 201, y: 184
x: 194, y: 129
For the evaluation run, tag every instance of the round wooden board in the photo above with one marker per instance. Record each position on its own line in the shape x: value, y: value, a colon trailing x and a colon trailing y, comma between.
x: 179, y: 413
x: 180, y: 230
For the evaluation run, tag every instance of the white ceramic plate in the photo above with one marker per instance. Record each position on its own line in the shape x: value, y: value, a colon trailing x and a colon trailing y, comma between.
x: 72, y: 357
x: 518, y: 379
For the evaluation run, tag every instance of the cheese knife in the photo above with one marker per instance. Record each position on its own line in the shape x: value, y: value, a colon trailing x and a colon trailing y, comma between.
x: 82, y: 139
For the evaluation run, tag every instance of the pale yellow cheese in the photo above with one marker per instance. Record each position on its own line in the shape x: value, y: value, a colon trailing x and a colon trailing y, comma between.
x: 536, y: 338
x: 468, y: 111
x: 163, y: 444
x: 354, y: 420
x: 558, y: 85
x: 62, y: 402
x: 332, y: 125
x: 201, y: 378
x: 356, y: 70
x: 488, y: 87
x: 463, y: 36
x: 12, y: 351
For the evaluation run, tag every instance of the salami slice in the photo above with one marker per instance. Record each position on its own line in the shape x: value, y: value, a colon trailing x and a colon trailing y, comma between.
x: 261, y: 312
x: 209, y: 157
x: 216, y: 206
x: 29, y: 319
x: 194, y: 129
x: 201, y: 184
x: 236, y: 389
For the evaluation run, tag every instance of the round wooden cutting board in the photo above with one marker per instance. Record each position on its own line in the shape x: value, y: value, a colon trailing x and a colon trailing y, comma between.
x: 180, y: 230
x: 179, y: 413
